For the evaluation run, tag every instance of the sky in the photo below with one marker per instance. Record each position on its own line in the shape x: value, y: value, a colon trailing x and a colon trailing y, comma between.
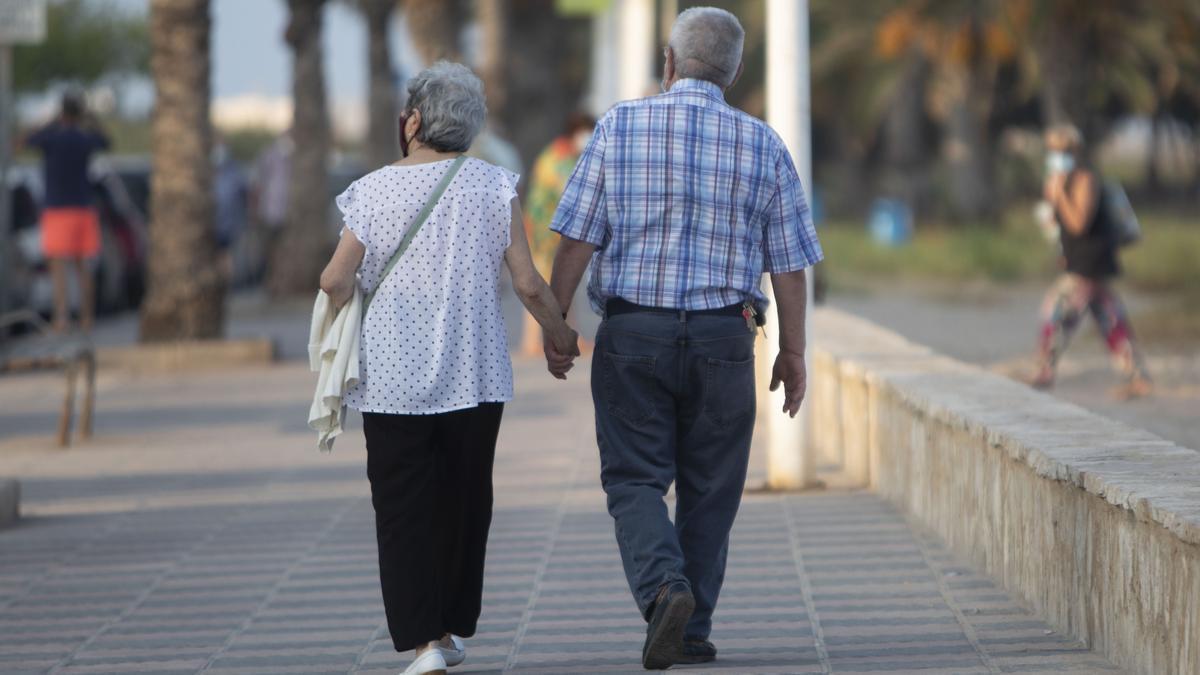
x: 251, y: 63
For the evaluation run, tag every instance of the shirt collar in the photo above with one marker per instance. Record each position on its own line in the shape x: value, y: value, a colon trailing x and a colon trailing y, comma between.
x: 698, y: 86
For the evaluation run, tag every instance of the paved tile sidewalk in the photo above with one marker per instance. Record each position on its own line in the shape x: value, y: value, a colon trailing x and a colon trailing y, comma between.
x: 202, y: 532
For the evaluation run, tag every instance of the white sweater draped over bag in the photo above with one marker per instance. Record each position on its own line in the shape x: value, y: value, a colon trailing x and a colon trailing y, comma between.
x: 333, y: 340
x: 333, y: 353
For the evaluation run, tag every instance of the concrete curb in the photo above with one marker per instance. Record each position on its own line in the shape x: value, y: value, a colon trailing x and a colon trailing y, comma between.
x: 187, y: 355
x: 1094, y: 523
x: 10, y: 498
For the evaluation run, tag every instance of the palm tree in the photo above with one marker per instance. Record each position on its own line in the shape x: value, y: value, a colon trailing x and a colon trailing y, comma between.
x: 307, y: 237
x: 186, y: 293
x: 434, y: 26
x: 381, y: 85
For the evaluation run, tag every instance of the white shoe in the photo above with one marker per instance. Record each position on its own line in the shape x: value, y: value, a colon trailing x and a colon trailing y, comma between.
x: 431, y: 662
x: 456, y: 655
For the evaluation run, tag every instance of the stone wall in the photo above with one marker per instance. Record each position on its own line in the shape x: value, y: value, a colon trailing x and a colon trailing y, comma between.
x: 1096, y: 525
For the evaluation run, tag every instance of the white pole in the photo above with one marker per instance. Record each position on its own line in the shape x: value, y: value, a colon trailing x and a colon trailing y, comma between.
x: 635, y: 47
x: 791, y: 460
x: 604, y: 62
x: 6, y: 123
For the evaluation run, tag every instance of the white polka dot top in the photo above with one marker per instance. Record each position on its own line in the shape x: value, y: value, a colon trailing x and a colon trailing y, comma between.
x: 433, y: 339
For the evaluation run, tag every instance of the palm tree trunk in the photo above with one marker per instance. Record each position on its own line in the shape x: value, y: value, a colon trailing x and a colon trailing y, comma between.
x: 308, y: 237
x: 905, y: 141
x: 970, y: 158
x: 381, y: 94
x: 492, y: 16
x: 434, y: 26
x: 185, y: 290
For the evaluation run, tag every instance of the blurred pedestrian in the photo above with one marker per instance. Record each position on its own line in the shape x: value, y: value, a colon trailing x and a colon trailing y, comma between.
x: 70, y: 223
x: 551, y: 170
x: 1089, y: 244
x: 269, y: 198
x: 684, y: 202
x: 230, y: 195
x: 434, y: 364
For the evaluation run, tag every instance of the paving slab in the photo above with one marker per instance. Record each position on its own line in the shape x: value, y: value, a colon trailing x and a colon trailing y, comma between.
x: 202, y: 532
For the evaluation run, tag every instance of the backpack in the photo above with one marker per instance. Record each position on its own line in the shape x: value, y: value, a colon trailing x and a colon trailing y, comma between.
x: 1118, y: 212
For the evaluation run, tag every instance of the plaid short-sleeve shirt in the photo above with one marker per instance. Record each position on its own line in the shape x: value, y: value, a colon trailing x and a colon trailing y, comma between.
x: 688, y: 201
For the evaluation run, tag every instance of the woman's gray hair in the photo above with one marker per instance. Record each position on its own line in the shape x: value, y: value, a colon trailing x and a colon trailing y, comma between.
x: 450, y: 98
x: 707, y: 43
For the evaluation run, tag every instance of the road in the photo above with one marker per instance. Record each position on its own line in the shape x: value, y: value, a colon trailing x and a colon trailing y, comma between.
x: 996, y: 328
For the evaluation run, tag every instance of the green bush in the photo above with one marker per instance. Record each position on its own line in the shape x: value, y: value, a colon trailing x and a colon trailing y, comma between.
x: 1167, y: 259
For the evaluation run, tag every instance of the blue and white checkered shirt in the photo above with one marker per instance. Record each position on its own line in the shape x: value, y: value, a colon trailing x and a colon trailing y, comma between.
x: 688, y: 201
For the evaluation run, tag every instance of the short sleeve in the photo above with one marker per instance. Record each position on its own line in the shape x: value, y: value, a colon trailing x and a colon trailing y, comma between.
x: 508, y: 191
x: 789, y: 239
x: 582, y: 211
x: 100, y: 141
x: 510, y: 182
x: 354, y: 214
x: 39, y: 138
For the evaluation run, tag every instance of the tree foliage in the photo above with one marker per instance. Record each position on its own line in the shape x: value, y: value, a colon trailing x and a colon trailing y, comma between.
x: 86, y: 43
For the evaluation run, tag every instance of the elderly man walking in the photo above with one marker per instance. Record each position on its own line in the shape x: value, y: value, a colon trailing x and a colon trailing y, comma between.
x: 681, y: 202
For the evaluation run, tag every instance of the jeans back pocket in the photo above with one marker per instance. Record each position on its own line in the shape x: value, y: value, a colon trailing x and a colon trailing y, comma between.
x: 729, y: 391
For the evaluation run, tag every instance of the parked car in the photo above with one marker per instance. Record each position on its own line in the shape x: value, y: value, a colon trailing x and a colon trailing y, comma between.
x: 120, y: 271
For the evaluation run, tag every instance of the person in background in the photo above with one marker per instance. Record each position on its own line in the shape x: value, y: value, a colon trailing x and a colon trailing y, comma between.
x: 1089, y: 257
x: 551, y: 170
x: 269, y: 197
x: 230, y: 192
x: 70, y: 223
x: 684, y: 202
x: 434, y: 363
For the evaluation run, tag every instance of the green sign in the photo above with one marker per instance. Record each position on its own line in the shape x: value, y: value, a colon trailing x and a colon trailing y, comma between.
x: 581, y: 7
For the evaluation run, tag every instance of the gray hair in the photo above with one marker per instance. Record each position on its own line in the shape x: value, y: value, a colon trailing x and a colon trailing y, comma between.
x: 707, y: 43
x: 450, y: 98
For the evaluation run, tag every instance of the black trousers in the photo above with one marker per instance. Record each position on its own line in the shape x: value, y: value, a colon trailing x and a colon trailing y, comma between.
x: 431, y: 485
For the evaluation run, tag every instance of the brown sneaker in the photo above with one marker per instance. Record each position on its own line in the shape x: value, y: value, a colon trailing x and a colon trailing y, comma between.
x: 664, y: 636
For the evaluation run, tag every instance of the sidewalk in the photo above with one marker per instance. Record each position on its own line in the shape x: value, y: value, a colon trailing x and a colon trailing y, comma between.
x: 202, y: 532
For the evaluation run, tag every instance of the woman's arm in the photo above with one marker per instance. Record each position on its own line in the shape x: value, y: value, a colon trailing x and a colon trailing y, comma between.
x: 532, y: 289
x: 1075, y: 198
x: 338, y: 278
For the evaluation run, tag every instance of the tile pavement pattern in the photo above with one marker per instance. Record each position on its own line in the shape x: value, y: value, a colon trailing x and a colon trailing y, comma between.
x: 147, y: 564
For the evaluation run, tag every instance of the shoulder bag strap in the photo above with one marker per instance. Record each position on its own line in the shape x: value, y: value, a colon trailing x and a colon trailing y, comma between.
x: 416, y: 227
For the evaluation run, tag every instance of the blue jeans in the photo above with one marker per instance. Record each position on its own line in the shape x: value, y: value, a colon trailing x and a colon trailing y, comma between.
x: 674, y: 400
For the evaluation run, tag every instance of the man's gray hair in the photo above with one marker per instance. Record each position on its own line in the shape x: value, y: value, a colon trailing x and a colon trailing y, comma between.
x: 707, y: 43
x: 450, y: 98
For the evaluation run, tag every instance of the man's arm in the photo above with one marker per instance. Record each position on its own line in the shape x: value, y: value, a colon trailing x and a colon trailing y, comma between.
x: 791, y: 302
x: 570, y: 262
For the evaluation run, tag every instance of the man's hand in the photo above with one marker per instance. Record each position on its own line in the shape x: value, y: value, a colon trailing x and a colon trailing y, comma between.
x: 789, y: 369
x: 561, y: 351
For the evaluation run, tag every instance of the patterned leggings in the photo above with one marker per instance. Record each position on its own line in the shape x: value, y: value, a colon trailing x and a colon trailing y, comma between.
x: 1063, y: 310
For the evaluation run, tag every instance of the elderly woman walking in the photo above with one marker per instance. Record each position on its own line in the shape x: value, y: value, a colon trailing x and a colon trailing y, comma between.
x: 434, y: 355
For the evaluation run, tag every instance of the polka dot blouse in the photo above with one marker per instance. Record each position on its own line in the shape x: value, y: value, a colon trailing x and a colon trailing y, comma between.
x: 433, y: 339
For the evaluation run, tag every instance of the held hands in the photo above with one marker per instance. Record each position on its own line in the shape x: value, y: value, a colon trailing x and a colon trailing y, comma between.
x: 561, y: 348
x: 789, y: 369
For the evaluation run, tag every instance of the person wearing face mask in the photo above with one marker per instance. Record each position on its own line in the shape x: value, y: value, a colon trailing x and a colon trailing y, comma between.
x: 1089, y: 258
x: 551, y: 170
x: 423, y: 246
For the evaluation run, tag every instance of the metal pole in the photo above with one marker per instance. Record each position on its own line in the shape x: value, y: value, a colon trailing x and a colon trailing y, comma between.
x: 6, y: 234
x: 791, y: 459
